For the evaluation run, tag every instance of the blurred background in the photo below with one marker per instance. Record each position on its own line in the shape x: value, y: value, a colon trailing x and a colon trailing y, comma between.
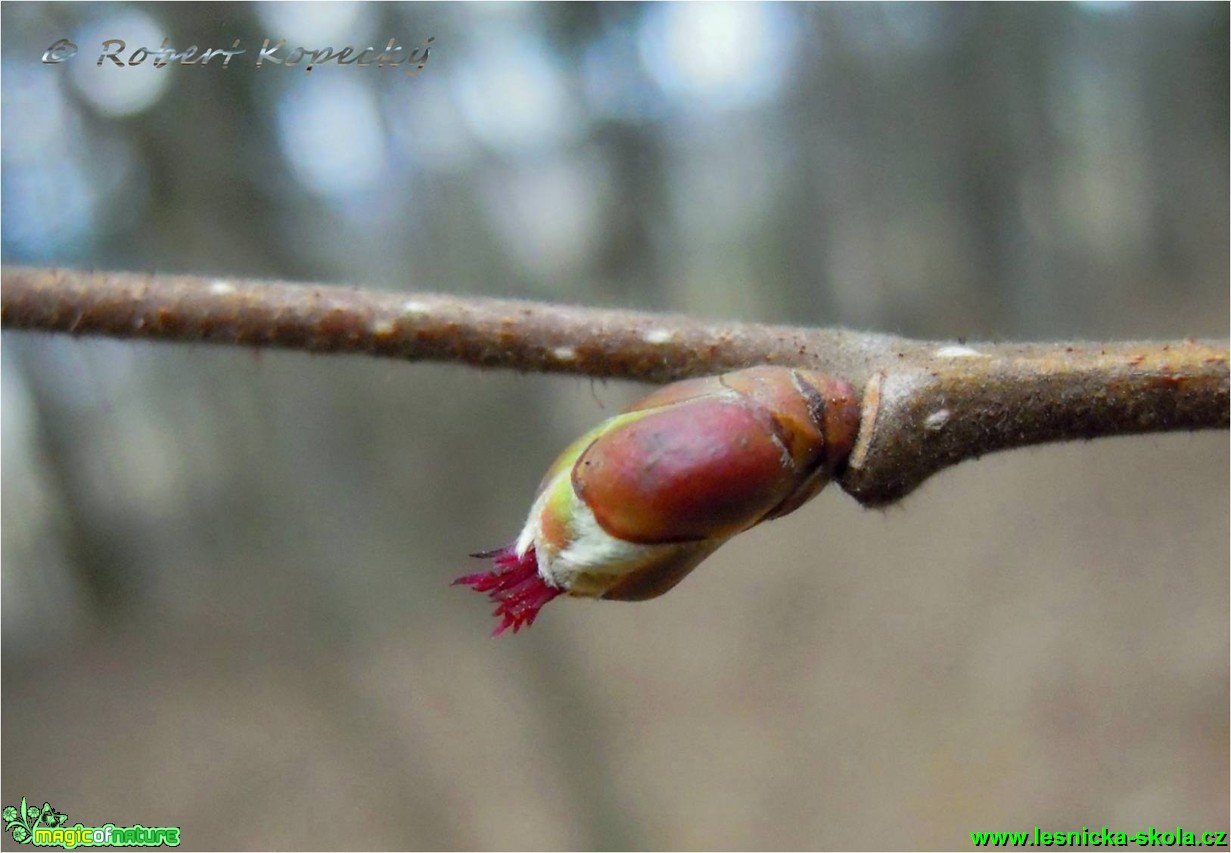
x: 226, y: 600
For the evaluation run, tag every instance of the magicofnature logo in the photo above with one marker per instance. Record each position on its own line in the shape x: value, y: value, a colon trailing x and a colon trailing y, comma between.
x: 44, y: 827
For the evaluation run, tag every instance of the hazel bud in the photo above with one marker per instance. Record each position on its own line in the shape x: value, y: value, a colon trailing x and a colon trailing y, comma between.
x: 637, y: 503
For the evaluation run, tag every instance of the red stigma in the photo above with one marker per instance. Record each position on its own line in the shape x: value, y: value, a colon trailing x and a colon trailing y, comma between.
x: 515, y: 585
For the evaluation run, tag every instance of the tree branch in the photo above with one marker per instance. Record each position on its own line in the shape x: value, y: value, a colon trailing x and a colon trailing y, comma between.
x: 926, y: 405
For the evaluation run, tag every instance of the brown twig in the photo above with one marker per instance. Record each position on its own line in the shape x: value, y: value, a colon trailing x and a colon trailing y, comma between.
x: 926, y: 405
